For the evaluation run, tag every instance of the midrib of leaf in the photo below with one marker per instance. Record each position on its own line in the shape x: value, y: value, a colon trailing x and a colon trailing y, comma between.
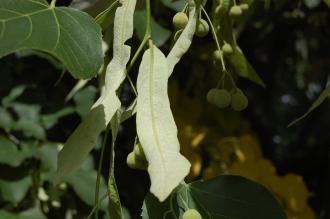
x: 153, y: 117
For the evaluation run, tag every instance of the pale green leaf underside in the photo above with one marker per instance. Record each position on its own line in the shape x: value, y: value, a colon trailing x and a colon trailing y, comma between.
x: 156, y: 128
x: 70, y: 35
x: 84, y: 138
x: 183, y: 43
x: 325, y: 93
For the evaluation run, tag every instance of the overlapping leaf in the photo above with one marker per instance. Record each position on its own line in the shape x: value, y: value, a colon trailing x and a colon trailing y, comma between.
x: 70, y: 35
x: 84, y: 138
x: 156, y: 128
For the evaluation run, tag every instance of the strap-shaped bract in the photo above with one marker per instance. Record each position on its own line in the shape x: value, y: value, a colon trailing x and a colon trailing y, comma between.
x: 156, y: 127
x: 84, y: 138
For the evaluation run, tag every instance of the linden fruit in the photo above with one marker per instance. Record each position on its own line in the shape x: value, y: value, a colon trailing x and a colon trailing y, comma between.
x: 222, y: 98
x: 191, y: 214
x: 227, y: 49
x: 210, y: 95
x: 202, y: 29
x: 180, y: 20
x: 238, y: 100
x: 235, y: 11
x: 130, y: 160
x: 217, y: 55
x: 244, y: 7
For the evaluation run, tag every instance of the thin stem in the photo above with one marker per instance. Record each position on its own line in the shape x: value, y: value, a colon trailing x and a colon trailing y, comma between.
x: 218, y: 46
x: 235, y: 2
x: 146, y: 37
x: 52, y: 4
x: 95, y: 207
x: 98, y: 179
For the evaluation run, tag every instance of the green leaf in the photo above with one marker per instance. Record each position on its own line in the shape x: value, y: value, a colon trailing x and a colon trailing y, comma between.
x: 49, y: 120
x: 83, y: 183
x: 84, y: 138
x: 6, y: 120
x: 32, y: 213
x: 155, y: 125
x: 30, y: 128
x: 8, y: 152
x: 13, y: 95
x: 243, y: 68
x: 176, y: 5
x: 14, y: 191
x: 84, y: 99
x: 219, y: 198
x: 324, y: 95
x: 70, y: 35
x: 183, y: 43
x: 159, y: 34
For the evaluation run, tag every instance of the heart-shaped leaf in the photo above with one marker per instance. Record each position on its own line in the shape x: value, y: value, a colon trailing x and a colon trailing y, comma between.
x: 70, y: 35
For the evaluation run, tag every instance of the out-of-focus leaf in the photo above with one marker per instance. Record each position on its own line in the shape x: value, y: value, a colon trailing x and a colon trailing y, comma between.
x: 27, y: 111
x: 159, y: 34
x: 243, y: 68
x: 327, y: 2
x: 13, y: 95
x: 9, y: 154
x: 49, y: 120
x: 83, y: 183
x: 156, y: 127
x: 84, y: 100
x: 176, y: 5
x: 30, y: 128
x: 312, y: 3
x: 6, y: 120
x: 325, y: 93
x: 14, y: 191
x: 70, y: 35
x: 218, y: 198
x: 33, y: 213
x: 47, y: 153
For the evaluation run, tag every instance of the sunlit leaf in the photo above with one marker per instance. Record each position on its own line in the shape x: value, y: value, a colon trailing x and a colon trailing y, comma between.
x: 155, y: 125
x: 323, y: 96
x: 84, y: 138
x: 70, y: 35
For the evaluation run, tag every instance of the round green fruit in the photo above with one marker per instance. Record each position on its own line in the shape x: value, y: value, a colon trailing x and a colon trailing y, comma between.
x: 216, y: 55
x: 238, y: 100
x: 244, y: 7
x: 191, y: 214
x: 235, y: 11
x: 130, y: 160
x: 202, y: 29
x: 222, y: 98
x: 210, y: 95
x: 180, y: 20
x: 227, y: 49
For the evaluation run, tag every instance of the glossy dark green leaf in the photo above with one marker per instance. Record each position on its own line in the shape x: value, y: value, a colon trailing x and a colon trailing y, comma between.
x: 323, y: 96
x: 243, y: 68
x: 70, y: 35
x: 159, y: 34
x: 224, y: 197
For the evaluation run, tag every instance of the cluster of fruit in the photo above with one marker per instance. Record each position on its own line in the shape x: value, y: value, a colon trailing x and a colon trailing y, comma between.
x: 180, y: 20
x: 243, y: 156
x: 222, y: 98
x: 237, y: 10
